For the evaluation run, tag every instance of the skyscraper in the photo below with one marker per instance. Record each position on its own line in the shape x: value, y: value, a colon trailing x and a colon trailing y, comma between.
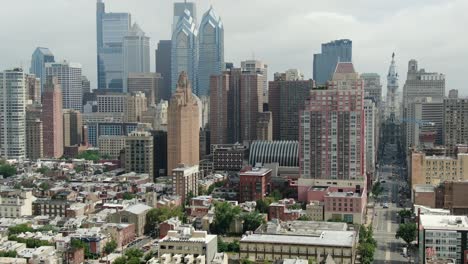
x: 69, y: 78
x: 163, y: 66
x: 148, y: 83
x: 52, y: 118
x: 371, y: 111
x: 139, y: 152
x: 34, y: 132
x: 183, y: 126
x: 179, y: 9
x: 13, y: 114
x: 372, y: 87
x: 251, y: 104
x: 332, y: 53
x: 136, y: 53
x: 111, y: 28
x: 331, y: 134
x: 85, y: 84
x: 33, y: 88
x: 455, y: 129
x: 184, y: 51
x: 72, y: 127
x: 40, y: 57
x: 219, y: 111
x: 211, y: 44
x: 392, y: 109
x: 286, y: 98
x: 255, y: 66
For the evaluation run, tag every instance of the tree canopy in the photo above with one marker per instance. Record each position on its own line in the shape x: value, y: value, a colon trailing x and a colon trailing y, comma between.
x: 7, y: 170
x: 158, y: 215
x: 110, y: 246
x: 92, y: 155
x: 407, y: 232
x: 367, y: 244
x: 225, y: 213
x: 252, y: 221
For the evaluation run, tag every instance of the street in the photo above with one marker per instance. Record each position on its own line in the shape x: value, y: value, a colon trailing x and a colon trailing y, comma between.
x: 386, y: 220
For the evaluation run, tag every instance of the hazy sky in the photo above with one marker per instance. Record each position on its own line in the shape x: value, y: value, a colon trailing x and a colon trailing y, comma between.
x: 283, y: 33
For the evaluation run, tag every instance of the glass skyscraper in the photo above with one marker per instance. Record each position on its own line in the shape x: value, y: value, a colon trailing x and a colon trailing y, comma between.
x: 332, y: 53
x: 184, y: 52
x: 136, y: 53
x: 111, y: 29
x: 211, y: 44
x: 40, y: 57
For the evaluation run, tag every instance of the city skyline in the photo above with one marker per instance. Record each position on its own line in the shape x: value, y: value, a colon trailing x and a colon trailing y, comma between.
x: 373, y: 33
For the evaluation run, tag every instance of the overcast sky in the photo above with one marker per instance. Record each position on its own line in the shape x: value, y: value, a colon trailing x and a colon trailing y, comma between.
x: 283, y: 33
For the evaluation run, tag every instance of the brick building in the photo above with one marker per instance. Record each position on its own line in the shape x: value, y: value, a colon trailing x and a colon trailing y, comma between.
x: 254, y: 184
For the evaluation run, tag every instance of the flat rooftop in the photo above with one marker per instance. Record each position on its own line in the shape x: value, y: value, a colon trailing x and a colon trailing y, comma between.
x: 424, y: 188
x: 444, y: 222
x: 256, y: 172
x: 326, y: 238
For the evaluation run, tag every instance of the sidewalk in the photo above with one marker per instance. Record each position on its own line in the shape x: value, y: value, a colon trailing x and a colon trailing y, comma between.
x: 369, y: 218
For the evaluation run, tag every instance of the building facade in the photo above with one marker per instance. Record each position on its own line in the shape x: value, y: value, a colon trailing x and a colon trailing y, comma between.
x: 33, y: 88
x: 254, y: 184
x: 136, y: 53
x: 163, y: 66
x: 16, y: 203
x: 372, y: 87
x: 326, y: 61
x: 72, y: 128
x: 13, y: 114
x: 260, y: 68
x: 185, y: 180
x: 211, y: 44
x: 265, y: 126
x: 69, y: 77
x: 139, y: 153
x: 371, y: 116
x: 111, y: 146
x: 34, y: 132
x: 39, y: 58
x: 455, y: 118
x: 183, y: 140
x: 52, y: 117
x: 148, y: 83
x: 285, y: 153
x: 228, y: 157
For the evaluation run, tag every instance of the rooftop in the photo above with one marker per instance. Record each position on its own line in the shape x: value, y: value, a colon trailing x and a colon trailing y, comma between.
x: 424, y: 188
x: 138, y: 208
x: 299, y: 228
x: 256, y: 171
x: 326, y: 238
x: 444, y: 222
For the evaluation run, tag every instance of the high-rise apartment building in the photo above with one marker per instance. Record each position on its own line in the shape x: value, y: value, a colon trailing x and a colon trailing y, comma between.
x: 219, y: 113
x: 136, y: 105
x: 286, y: 98
x: 211, y: 45
x: 255, y: 66
x: 33, y: 88
x: 34, y: 132
x: 85, y: 85
x: 289, y: 75
x: 69, y: 77
x: 183, y: 126
x: 372, y: 87
x: 184, y: 50
x: 149, y: 83
x: 265, y: 126
x: 332, y: 53
x: 72, y: 127
x: 39, y: 58
x: 185, y: 180
x: 332, y: 129
x: 136, y: 53
x: 111, y: 28
x: 455, y: 130
x: 372, y: 116
x: 163, y: 66
x: 423, y: 116
x: 111, y: 102
x: 13, y: 114
x: 251, y: 104
x: 160, y: 153
x: 52, y: 118
x: 139, y: 152
x: 111, y: 146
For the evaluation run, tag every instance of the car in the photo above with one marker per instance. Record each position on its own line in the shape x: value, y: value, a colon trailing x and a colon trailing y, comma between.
x: 385, y: 205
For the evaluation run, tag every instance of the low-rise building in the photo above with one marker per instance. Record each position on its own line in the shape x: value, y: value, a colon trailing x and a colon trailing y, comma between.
x: 16, y: 203
x: 111, y: 146
x: 282, y: 210
x: 94, y: 238
x: 185, y: 180
x: 315, y: 211
x: 121, y: 233
x: 254, y: 184
x: 135, y: 214
x: 228, y: 157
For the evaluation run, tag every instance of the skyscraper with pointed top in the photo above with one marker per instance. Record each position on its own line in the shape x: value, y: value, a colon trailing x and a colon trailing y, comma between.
x: 39, y: 58
x: 211, y: 44
x: 392, y: 108
x: 183, y: 124
x: 184, y: 52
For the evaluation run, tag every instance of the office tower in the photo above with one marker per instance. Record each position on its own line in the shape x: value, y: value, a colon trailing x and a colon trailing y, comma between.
x: 392, y: 109
x: 184, y: 51
x: 34, y: 132
x: 52, y: 118
x: 111, y: 146
x: 183, y: 126
x: 72, y: 127
x: 111, y: 102
x: 423, y: 116
x: 33, y: 88
x: 372, y: 87
x: 219, y: 111
x: 254, y: 66
x: 163, y: 66
x: 371, y: 114
x: 85, y: 84
x: 422, y: 84
x: 13, y: 114
x: 455, y: 130
x: 204, y: 105
x: 286, y: 98
x: 136, y: 105
x: 289, y: 75
x: 139, y: 152
x: 251, y: 104
x: 211, y: 44
x: 111, y: 28
x: 453, y: 94
x: 185, y: 180
x: 265, y: 126
x: 149, y: 83
x: 69, y: 78
x: 335, y: 116
x: 160, y: 152
x: 107, y: 128
x: 179, y: 10
x: 332, y: 53
x: 40, y: 57
x: 136, y: 53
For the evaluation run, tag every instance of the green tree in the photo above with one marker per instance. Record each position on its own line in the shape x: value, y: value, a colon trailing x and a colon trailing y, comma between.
x: 44, y: 186
x: 133, y: 261
x: 8, y: 254
x: 367, y: 244
x: 222, y: 246
x: 225, y: 213
x: 128, y: 196
x: 92, y: 155
x: 43, y: 170
x: 110, y: 246
x: 7, y: 170
x: 120, y: 260
x: 234, y: 246
x: 158, y: 215
x: 377, y: 189
x: 214, y: 186
x: 304, y: 218
x: 134, y: 253
x: 405, y: 213
x: 262, y: 206
x: 246, y: 261
x: 276, y: 195
x: 149, y: 255
x: 252, y: 221
x: 18, y: 229
x: 407, y: 232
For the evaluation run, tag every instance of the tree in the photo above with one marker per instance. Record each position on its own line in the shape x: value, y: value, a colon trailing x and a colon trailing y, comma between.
x: 407, y: 232
x: 128, y: 196
x: 43, y: 170
x: 133, y: 261
x: 7, y: 170
x: 110, y: 246
x: 134, y: 253
x: 149, y: 255
x: 367, y: 244
x: 377, y: 189
x: 405, y: 213
x: 44, y: 186
x: 276, y: 195
x: 252, y: 221
x: 304, y: 218
x: 225, y: 213
x: 214, y: 186
x: 262, y: 206
x: 92, y: 155
x: 120, y: 260
x: 8, y: 254
x: 18, y: 229
x: 234, y: 246
x: 158, y: 215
